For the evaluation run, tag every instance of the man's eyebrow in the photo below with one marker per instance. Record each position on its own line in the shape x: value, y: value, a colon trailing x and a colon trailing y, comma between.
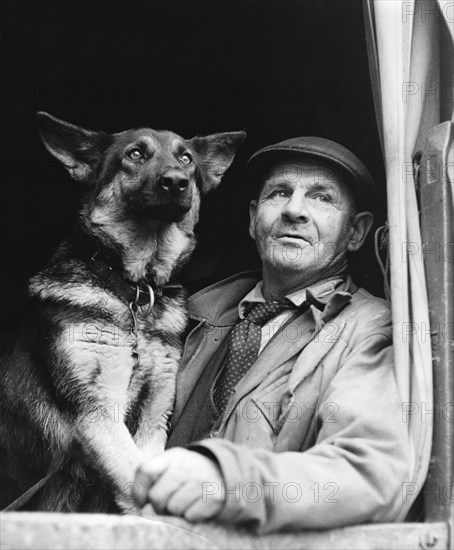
x: 322, y: 186
x: 276, y: 180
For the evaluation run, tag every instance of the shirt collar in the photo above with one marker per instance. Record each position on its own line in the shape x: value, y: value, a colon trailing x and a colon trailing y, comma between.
x: 316, y: 292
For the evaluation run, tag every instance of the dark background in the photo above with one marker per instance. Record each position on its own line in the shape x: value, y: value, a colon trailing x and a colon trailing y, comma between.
x: 277, y: 69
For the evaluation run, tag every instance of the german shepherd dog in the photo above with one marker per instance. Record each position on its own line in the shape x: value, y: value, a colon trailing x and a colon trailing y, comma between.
x: 85, y: 395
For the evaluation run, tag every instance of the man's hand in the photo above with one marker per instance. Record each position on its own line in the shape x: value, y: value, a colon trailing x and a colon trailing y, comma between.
x: 174, y: 481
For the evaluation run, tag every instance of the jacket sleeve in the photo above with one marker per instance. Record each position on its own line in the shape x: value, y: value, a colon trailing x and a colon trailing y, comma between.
x: 355, y: 471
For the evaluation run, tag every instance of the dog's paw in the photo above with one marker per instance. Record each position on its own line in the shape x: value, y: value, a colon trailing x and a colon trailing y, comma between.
x: 128, y: 507
x: 126, y: 500
x: 131, y: 508
x: 148, y: 512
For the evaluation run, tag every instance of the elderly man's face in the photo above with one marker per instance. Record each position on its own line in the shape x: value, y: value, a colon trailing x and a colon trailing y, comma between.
x: 304, y: 221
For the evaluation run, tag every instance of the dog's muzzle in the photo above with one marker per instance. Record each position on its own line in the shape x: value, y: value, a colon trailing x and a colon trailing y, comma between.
x: 173, y: 183
x: 168, y: 197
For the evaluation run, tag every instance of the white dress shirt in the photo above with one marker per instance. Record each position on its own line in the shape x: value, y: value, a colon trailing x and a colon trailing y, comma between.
x: 297, y: 297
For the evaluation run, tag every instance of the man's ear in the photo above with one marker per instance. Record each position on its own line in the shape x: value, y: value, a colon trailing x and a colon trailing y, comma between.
x: 252, y: 214
x: 360, y: 227
x: 77, y: 149
x: 215, y: 154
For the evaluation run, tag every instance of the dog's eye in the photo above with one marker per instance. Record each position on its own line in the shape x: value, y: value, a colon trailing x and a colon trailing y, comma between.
x: 186, y: 158
x: 135, y: 154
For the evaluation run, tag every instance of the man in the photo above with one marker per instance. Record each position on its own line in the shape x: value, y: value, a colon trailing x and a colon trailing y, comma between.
x: 291, y: 421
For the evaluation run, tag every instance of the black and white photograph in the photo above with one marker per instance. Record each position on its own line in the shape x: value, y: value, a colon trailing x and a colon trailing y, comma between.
x: 227, y: 273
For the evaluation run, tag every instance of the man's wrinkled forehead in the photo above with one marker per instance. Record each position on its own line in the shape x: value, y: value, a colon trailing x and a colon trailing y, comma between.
x: 306, y: 171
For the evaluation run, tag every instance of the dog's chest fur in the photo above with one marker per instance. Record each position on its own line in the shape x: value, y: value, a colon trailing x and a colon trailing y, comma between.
x: 96, y: 335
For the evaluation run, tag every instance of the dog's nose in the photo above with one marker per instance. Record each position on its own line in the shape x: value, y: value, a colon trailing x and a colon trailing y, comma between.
x: 173, y: 182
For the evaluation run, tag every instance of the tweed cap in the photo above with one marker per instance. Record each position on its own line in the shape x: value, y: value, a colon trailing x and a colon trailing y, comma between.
x: 356, y: 175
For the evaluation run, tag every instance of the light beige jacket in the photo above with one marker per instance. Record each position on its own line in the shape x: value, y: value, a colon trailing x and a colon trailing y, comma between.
x: 314, y: 436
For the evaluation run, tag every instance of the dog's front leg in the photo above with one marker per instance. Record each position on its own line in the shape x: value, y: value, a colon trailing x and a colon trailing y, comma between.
x: 151, y: 435
x: 110, y: 448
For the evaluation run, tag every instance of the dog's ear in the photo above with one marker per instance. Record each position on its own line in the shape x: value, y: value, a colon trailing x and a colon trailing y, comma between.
x: 76, y: 148
x: 215, y: 153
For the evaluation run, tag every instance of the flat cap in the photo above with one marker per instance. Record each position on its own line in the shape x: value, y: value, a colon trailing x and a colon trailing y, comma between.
x: 337, y: 156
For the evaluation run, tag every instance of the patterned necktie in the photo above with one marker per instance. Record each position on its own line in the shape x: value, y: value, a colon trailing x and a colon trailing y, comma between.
x: 243, y: 349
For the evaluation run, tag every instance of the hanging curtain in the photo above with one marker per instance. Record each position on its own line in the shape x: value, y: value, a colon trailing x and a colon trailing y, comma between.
x: 412, y: 93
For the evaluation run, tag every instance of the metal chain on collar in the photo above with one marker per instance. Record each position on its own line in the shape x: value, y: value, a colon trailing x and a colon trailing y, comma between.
x: 135, y: 310
x: 133, y: 307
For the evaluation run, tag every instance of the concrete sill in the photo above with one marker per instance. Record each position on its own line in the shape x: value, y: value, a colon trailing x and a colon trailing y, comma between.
x: 45, y: 531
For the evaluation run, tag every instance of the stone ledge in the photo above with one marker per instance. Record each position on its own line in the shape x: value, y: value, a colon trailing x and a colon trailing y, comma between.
x: 44, y: 531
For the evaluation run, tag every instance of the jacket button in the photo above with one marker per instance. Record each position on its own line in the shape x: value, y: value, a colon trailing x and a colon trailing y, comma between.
x: 214, y: 434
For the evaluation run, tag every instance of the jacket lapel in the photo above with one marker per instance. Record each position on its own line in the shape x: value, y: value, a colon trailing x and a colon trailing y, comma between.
x: 280, y: 349
x: 214, y: 311
x: 213, y: 329
x: 277, y: 352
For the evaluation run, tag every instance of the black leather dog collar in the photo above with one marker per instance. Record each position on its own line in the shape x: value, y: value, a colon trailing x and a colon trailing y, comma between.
x: 140, y: 294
